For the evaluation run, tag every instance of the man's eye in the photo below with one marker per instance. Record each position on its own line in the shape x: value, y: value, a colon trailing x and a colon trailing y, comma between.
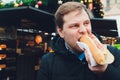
x: 76, y: 25
x: 86, y: 23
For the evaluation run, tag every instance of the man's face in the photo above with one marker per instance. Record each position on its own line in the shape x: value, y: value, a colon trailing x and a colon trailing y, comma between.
x: 75, y: 25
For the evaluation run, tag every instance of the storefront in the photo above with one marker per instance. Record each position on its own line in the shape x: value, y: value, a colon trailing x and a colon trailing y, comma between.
x: 22, y: 50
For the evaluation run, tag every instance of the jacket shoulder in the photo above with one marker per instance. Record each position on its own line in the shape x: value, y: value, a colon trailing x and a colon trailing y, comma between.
x: 48, y: 55
x: 48, y: 58
x: 113, y: 49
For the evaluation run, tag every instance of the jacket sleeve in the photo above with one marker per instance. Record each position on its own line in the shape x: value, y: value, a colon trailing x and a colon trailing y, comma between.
x: 113, y: 70
x: 44, y: 72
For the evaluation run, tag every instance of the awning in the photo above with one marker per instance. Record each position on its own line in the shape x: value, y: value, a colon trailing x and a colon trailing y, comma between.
x: 35, y: 18
x: 105, y: 27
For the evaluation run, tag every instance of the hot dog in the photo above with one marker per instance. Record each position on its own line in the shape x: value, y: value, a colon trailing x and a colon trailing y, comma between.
x: 3, y: 56
x: 2, y: 66
x: 99, y: 52
x: 3, y: 46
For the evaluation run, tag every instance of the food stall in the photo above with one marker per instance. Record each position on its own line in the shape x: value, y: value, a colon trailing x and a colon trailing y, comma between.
x: 18, y: 29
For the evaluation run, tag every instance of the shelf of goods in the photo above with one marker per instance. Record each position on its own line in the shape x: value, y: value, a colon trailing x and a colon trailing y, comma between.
x: 7, y: 60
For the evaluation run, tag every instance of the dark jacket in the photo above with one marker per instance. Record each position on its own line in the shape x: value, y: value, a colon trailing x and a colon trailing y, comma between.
x: 62, y: 65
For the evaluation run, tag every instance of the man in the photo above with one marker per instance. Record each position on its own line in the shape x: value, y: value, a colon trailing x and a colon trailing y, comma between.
x: 68, y: 62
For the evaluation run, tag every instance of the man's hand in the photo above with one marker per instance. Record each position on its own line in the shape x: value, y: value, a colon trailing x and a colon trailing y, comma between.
x: 96, y: 69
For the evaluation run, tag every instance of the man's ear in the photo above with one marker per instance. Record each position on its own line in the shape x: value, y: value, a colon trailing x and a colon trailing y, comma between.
x: 60, y: 32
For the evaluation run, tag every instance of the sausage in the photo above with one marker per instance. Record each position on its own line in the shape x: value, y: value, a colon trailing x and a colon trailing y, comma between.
x: 99, y: 52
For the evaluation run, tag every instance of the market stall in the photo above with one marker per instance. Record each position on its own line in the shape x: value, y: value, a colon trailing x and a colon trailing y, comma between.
x: 19, y: 26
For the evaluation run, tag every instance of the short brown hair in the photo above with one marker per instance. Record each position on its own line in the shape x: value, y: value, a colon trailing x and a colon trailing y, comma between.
x: 66, y: 8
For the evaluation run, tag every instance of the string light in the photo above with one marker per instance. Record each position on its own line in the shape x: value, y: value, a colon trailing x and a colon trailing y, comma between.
x: 81, y: 1
x: 60, y: 2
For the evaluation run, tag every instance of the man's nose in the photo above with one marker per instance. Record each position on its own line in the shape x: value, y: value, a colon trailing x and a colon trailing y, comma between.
x: 82, y: 29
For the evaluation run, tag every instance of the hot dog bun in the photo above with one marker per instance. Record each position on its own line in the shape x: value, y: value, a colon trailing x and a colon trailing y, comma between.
x: 3, y: 56
x: 99, y: 52
x: 3, y: 46
x: 2, y: 66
